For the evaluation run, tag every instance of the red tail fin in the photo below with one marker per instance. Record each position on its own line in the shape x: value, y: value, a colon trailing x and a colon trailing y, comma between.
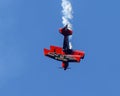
x: 65, y: 31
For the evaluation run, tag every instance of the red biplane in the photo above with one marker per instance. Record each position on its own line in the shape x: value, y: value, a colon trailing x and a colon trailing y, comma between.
x: 64, y: 54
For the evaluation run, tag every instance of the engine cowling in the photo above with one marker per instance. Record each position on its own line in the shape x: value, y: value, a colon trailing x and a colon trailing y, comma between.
x: 64, y: 65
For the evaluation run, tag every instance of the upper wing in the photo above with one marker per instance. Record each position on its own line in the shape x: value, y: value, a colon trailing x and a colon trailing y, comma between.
x: 73, y: 58
x: 55, y: 53
x: 80, y: 53
x: 58, y: 54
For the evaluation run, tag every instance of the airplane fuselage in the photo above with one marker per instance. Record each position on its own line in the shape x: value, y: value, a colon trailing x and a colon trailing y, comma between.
x: 64, y: 54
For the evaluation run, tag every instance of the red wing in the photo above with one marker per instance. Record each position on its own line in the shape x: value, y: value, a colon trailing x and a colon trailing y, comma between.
x: 80, y: 53
x: 56, y: 49
x: 73, y: 58
x: 58, y: 54
x: 55, y: 53
x: 53, y: 49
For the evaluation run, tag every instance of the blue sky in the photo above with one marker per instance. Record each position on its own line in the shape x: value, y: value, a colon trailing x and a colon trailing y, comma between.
x: 28, y: 26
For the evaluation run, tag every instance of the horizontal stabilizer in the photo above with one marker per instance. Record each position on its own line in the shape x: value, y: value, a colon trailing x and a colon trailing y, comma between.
x: 65, y: 31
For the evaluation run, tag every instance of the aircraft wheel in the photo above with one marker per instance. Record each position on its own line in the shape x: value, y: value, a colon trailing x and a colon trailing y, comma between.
x: 83, y: 57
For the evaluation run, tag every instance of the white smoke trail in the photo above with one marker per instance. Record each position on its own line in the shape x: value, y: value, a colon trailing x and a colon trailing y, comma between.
x: 67, y: 13
x: 67, y: 16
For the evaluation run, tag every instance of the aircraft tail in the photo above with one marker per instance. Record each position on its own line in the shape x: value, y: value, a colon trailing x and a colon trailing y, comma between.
x: 65, y: 31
